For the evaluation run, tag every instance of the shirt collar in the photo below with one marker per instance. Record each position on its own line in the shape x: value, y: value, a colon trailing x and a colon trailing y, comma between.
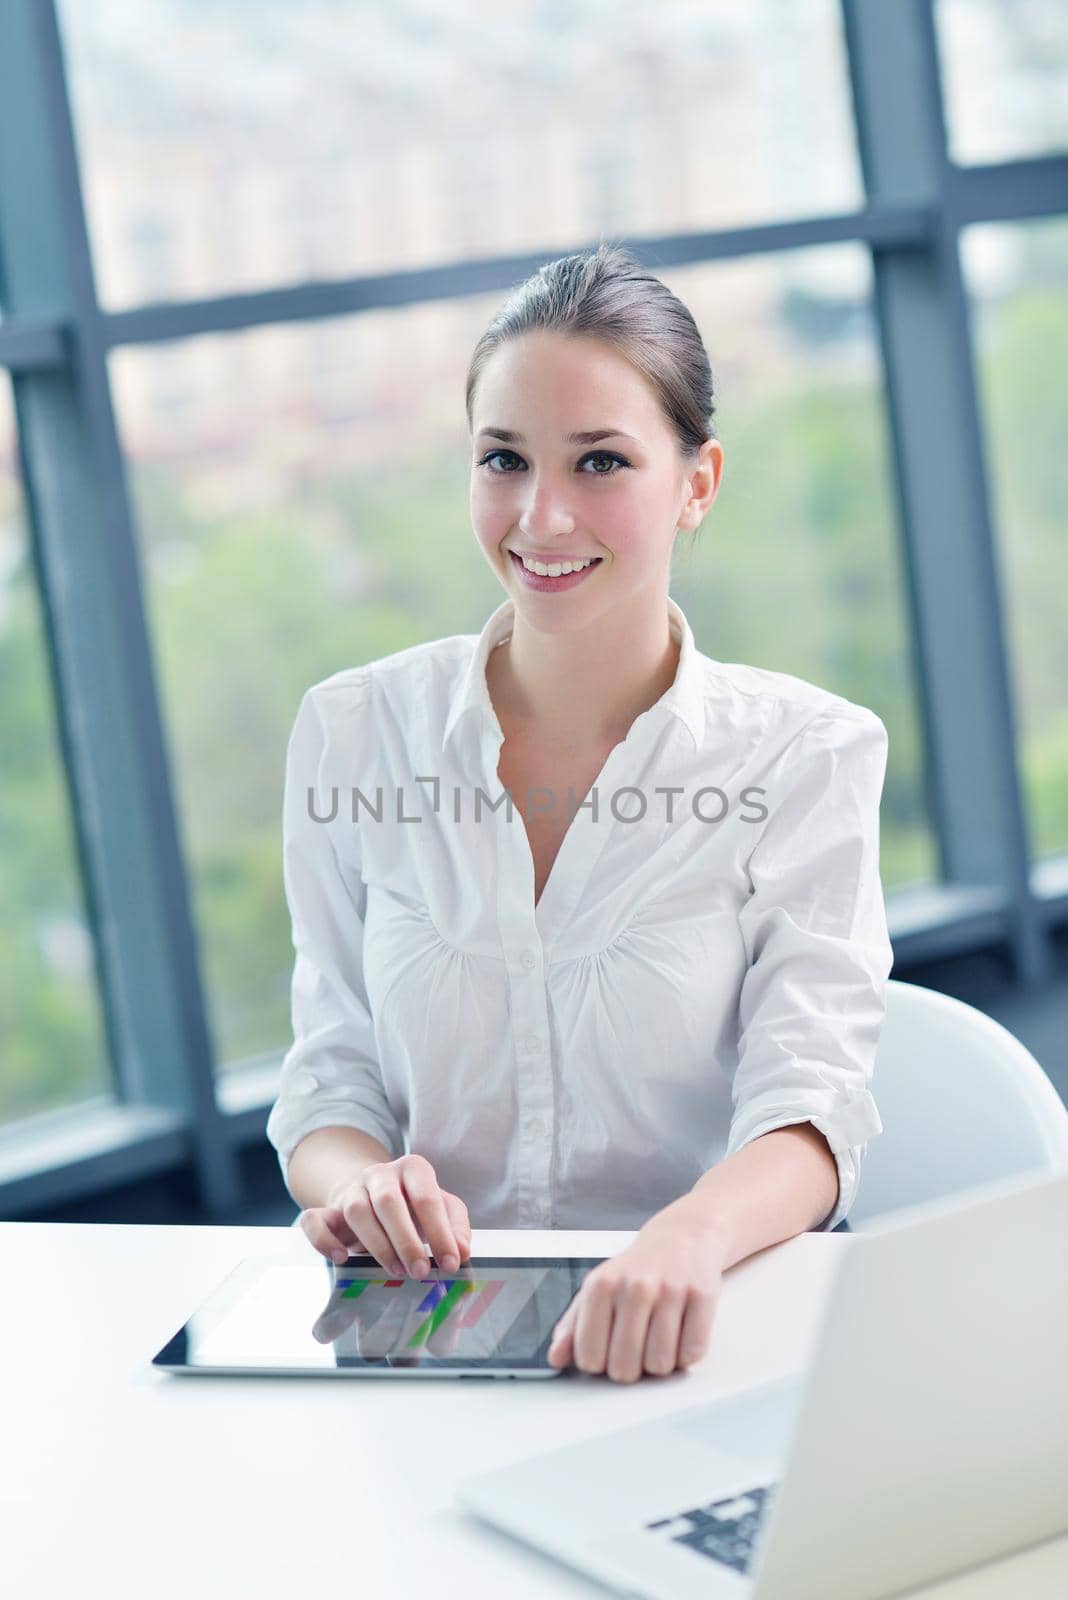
x: 684, y: 699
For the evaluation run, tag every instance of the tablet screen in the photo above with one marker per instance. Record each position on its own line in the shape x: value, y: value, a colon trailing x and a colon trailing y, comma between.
x: 495, y: 1316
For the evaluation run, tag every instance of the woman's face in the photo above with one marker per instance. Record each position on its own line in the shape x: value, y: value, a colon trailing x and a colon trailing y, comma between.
x: 620, y: 498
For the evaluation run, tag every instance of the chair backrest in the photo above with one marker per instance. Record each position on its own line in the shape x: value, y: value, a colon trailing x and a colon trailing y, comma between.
x: 962, y: 1103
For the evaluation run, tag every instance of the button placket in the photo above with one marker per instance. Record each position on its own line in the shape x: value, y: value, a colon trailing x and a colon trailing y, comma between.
x: 535, y: 1109
x: 585, y: 840
x: 524, y: 952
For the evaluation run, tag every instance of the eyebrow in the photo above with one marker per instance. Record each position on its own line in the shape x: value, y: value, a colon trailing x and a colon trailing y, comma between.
x: 507, y: 437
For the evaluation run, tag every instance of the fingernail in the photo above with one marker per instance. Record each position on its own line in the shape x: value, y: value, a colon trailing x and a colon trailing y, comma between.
x: 339, y: 1256
x: 450, y: 1262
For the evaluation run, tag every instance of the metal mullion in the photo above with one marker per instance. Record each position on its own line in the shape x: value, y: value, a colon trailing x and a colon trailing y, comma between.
x: 32, y: 345
x: 877, y: 225
x: 1011, y: 191
x: 86, y: 561
x: 969, y: 719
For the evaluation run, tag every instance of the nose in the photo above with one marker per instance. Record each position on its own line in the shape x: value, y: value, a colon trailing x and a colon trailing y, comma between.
x: 545, y: 516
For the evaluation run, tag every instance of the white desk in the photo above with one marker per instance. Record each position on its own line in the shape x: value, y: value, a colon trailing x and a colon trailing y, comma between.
x: 121, y: 1481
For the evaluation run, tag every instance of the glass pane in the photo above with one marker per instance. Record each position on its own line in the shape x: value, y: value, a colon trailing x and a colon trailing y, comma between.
x: 1016, y: 276
x: 1005, y: 77
x: 302, y: 498
x: 227, y: 146
x: 797, y: 567
x: 52, y: 1042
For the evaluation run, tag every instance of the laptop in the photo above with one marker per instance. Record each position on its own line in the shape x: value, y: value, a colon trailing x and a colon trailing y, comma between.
x: 929, y: 1433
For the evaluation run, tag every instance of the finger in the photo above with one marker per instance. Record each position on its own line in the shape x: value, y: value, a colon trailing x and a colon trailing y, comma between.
x: 335, y: 1220
x: 390, y: 1203
x: 361, y: 1217
x: 427, y: 1203
x: 697, y: 1326
x: 461, y: 1223
x: 322, y: 1236
x: 340, y: 1225
x: 593, y: 1323
x: 562, y: 1344
x: 630, y: 1325
x: 459, y: 1217
x: 665, y: 1331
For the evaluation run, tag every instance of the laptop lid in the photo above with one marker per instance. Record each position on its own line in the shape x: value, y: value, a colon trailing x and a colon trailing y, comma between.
x: 932, y: 1433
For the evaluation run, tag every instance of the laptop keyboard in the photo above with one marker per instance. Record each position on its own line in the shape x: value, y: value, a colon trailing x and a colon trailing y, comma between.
x: 723, y: 1530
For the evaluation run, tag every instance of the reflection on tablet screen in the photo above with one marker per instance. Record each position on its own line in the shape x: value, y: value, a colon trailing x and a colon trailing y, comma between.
x: 311, y: 1315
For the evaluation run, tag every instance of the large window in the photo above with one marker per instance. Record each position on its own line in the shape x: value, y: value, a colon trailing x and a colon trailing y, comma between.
x: 241, y: 283
x: 233, y: 146
x: 51, y: 1026
x: 306, y: 510
x: 796, y: 567
x: 1017, y: 277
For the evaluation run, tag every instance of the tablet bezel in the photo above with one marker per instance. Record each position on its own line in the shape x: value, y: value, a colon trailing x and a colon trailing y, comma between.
x: 208, y: 1315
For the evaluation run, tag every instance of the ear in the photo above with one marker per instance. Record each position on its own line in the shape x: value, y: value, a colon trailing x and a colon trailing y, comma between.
x: 704, y: 482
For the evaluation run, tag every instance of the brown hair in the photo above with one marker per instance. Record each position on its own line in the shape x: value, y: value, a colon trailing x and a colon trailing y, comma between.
x: 608, y: 295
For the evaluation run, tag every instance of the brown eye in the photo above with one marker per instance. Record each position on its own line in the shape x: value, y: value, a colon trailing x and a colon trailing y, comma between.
x: 493, y: 454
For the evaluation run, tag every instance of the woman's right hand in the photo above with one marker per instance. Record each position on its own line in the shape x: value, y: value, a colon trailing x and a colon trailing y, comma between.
x: 388, y: 1212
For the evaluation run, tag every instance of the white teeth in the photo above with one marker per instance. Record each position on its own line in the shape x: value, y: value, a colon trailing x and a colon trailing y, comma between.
x: 557, y: 568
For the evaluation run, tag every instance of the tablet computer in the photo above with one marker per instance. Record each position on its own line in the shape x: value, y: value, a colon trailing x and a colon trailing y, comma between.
x: 493, y: 1318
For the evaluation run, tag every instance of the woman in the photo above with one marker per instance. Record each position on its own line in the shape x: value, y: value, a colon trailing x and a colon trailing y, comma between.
x: 652, y: 999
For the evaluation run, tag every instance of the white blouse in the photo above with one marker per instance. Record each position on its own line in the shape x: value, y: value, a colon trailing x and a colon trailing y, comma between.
x: 708, y: 959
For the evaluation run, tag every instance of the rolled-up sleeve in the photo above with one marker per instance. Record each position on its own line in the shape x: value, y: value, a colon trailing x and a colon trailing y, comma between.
x: 813, y: 998
x: 330, y: 1075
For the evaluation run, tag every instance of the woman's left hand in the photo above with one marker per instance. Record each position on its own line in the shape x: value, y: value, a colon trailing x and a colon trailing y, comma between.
x: 649, y: 1308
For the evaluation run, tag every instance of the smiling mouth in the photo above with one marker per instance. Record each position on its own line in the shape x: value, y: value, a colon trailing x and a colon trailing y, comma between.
x: 546, y: 583
x: 557, y: 561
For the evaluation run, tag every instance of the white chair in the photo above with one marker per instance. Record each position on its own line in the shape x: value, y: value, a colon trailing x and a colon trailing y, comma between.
x: 963, y: 1103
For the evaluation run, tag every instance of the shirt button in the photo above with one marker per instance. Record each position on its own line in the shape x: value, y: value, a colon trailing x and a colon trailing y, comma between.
x: 529, y: 959
x: 539, y: 1127
x: 529, y: 1043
